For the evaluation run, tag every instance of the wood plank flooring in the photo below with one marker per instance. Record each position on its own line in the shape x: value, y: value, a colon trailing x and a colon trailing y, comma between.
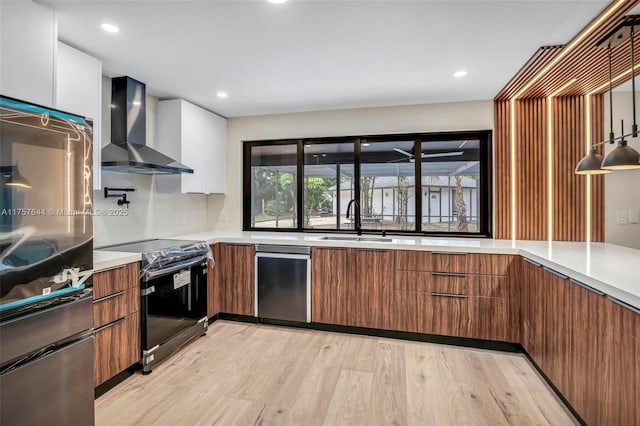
x: 248, y: 374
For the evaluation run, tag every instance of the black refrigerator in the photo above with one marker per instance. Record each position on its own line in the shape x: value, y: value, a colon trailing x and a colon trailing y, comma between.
x: 46, y: 265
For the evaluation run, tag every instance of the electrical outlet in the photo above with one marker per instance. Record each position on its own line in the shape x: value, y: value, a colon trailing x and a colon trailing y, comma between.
x: 634, y: 216
x: 621, y: 217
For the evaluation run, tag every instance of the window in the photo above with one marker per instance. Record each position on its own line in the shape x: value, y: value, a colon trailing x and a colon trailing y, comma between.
x: 328, y: 184
x: 430, y: 183
x: 273, y: 193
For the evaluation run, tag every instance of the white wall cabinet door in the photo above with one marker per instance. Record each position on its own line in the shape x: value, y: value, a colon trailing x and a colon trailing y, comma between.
x: 198, y: 139
x: 28, y: 37
x: 193, y: 148
x: 216, y: 148
x: 79, y: 91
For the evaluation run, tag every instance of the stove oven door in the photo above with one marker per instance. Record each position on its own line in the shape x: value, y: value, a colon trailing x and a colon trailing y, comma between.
x: 173, y: 300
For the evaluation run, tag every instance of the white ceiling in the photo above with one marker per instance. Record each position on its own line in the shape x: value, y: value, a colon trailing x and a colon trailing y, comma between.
x: 308, y: 55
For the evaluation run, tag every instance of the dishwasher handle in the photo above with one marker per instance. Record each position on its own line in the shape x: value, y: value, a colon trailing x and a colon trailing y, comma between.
x: 268, y: 248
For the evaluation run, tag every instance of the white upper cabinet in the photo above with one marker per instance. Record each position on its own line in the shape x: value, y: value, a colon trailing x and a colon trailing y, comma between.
x: 216, y: 148
x: 28, y: 37
x: 79, y: 91
x: 198, y: 139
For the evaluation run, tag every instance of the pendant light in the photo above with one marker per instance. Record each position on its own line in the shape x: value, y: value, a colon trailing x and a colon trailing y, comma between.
x: 591, y: 163
x: 12, y: 177
x: 623, y: 157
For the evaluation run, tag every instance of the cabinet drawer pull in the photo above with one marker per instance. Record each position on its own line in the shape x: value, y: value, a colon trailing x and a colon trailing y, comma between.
x: 372, y: 249
x: 531, y: 262
x: 556, y: 273
x: 111, y: 324
x: 459, y: 296
x: 586, y: 287
x: 120, y: 293
x: 624, y: 304
x: 452, y: 253
x: 449, y: 274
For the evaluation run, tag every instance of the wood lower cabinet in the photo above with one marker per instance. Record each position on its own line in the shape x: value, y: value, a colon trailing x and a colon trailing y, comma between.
x: 116, y: 347
x: 585, y: 344
x: 116, y: 321
x: 489, y: 318
x: 231, y: 287
x: 352, y: 286
x: 474, y: 263
x: 331, y: 277
x: 462, y: 295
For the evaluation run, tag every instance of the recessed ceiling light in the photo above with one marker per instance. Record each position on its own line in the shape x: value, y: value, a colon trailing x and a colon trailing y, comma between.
x: 277, y: 1
x: 222, y: 95
x: 324, y: 155
x: 459, y: 74
x: 366, y: 144
x: 109, y: 27
x: 308, y: 146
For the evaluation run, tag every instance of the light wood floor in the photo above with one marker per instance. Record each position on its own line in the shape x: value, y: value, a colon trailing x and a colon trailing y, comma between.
x: 248, y: 374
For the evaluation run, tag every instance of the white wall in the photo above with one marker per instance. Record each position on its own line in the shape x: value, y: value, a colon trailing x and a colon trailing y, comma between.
x: 151, y: 214
x: 225, y: 212
x: 621, y: 188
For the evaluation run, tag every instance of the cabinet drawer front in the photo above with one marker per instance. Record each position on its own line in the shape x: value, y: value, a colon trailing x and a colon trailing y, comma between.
x: 450, y: 262
x: 116, y: 348
x: 422, y: 312
x: 489, y: 264
x: 408, y: 311
x: 447, y: 315
x: 491, y: 286
x: 116, y: 306
x: 434, y: 282
x: 413, y: 260
x: 115, y: 280
x: 489, y: 318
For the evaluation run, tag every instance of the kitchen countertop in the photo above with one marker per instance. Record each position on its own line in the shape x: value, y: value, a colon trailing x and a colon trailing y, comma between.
x: 611, y: 269
x: 103, y: 259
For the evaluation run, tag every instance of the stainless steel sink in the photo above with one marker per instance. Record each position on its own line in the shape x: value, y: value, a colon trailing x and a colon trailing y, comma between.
x: 363, y: 239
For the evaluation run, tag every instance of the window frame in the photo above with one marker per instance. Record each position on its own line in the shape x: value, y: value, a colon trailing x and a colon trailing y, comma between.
x: 485, y: 190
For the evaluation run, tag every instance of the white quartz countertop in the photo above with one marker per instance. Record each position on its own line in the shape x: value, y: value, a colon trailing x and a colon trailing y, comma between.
x: 610, y: 269
x: 103, y: 259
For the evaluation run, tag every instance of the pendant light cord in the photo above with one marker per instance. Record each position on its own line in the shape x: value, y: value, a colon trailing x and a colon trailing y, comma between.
x: 634, y: 128
x: 611, y: 138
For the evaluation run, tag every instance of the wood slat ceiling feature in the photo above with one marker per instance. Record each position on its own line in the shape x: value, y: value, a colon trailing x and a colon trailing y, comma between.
x: 590, y: 71
x: 580, y: 58
x: 539, y: 60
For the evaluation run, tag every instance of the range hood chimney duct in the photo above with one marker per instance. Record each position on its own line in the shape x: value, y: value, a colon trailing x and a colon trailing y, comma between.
x: 128, y: 151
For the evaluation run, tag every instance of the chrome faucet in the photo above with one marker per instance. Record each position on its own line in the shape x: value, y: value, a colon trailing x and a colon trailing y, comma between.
x: 356, y: 215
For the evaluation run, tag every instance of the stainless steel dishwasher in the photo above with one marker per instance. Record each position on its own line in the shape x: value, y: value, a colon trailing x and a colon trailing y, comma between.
x: 283, y: 283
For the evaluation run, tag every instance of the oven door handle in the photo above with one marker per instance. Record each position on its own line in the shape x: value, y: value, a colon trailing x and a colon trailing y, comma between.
x: 161, y: 272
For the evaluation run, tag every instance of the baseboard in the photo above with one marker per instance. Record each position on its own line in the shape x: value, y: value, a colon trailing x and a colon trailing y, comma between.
x: 420, y: 337
x: 555, y: 389
x: 392, y: 334
x: 113, y: 382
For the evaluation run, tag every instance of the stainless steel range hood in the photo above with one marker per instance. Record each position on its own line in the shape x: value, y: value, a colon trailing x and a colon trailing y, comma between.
x: 128, y: 151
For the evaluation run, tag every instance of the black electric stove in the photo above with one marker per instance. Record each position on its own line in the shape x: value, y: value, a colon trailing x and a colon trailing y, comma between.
x: 173, y: 290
